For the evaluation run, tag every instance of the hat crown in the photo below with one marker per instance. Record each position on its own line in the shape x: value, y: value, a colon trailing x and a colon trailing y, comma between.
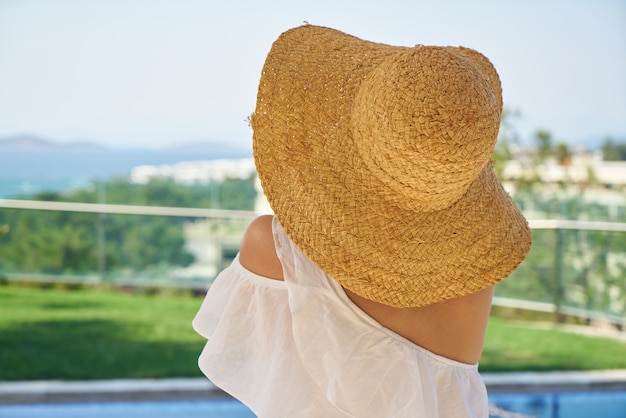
x: 425, y: 122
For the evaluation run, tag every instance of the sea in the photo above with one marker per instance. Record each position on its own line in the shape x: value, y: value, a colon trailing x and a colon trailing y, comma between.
x: 25, y: 172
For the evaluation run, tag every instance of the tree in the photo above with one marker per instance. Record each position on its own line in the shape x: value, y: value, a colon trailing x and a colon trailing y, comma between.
x: 612, y: 151
x: 544, y: 146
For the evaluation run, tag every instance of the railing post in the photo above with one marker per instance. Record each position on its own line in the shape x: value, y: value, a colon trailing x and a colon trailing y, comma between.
x: 558, y: 275
x: 101, y: 234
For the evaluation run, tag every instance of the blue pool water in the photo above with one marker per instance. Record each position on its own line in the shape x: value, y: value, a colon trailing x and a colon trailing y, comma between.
x: 148, y: 409
x: 564, y: 405
x: 545, y: 405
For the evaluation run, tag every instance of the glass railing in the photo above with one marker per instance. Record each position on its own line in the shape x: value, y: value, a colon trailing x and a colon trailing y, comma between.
x: 575, y: 268
x: 117, y: 244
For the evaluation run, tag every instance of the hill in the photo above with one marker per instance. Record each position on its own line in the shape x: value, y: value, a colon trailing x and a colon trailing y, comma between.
x: 32, y: 142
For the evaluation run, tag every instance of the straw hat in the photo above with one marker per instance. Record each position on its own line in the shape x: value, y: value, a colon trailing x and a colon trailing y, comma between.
x: 376, y: 162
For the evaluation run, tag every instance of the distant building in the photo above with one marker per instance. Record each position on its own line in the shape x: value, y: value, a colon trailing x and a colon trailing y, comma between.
x: 204, y: 172
x: 579, y: 168
x: 192, y: 172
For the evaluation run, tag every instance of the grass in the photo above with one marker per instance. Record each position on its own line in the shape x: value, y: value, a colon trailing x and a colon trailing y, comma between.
x: 527, y: 346
x: 91, y: 334
x: 88, y: 334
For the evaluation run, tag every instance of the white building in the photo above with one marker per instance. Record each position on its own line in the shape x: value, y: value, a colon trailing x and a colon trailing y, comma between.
x: 579, y: 169
x: 190, y: 172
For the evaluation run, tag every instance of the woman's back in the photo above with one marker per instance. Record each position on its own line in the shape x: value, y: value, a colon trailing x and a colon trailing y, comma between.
x: 454, y: 328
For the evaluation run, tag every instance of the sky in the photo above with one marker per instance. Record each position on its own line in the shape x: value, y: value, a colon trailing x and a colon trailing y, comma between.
x: 138, y: 73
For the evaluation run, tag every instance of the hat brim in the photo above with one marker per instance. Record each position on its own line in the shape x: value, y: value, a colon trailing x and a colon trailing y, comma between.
x: 332, y: 207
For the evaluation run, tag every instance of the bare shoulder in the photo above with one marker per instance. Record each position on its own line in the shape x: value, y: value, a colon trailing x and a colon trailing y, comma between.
x: 257, y: 251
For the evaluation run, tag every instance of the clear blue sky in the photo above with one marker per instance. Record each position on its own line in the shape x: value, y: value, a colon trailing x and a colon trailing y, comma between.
x: 156, y: 72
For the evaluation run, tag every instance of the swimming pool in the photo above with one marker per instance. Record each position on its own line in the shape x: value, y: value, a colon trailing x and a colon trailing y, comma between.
x: 542, y: 405
x: 152, y: 409
x: 564, y: 404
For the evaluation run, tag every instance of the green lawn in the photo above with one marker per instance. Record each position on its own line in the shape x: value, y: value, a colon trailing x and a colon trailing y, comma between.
x: 526, y: 346
x: 89, y: 334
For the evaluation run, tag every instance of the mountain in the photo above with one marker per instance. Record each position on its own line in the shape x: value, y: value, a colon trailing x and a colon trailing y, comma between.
x: 35, y: 143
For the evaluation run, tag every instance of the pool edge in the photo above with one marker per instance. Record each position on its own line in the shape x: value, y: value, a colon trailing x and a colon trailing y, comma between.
x: 57, y: 391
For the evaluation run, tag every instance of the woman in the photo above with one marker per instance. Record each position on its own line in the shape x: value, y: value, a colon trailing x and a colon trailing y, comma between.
x: 367, y: 293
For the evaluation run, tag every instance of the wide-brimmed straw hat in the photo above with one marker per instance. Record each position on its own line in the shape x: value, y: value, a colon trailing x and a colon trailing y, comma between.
x: 376, y: 162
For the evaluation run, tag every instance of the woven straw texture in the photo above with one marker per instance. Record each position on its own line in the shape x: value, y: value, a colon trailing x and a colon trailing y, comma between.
x: 376, y: 162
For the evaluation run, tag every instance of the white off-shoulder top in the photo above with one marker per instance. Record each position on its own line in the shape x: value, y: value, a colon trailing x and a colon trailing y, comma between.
x: 301, y: 348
